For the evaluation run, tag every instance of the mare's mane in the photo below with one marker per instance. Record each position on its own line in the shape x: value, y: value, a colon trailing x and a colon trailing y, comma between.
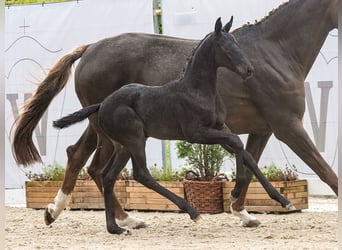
x: 263, y: 19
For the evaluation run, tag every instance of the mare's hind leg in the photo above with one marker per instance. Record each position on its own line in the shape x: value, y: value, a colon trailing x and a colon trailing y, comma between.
x: 102, y: 154
x: 255, y: 146
x: 294, y: 135
x: 78, y: 155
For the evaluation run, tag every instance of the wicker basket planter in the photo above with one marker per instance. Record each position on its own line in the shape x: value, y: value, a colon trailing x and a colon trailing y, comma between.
x: 257, y: 200
x: 205, y: 196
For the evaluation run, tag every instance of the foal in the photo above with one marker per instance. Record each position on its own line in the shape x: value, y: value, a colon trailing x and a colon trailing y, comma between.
x: 189, y: 108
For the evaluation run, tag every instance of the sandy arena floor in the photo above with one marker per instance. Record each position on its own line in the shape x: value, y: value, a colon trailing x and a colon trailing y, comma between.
x: 315, y: 228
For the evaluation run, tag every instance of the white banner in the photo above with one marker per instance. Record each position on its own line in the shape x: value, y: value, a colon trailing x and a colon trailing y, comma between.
x: 194, y: 19
x: 36, y: 37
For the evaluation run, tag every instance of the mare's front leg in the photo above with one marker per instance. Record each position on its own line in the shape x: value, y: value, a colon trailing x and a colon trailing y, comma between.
x: 78, y: 155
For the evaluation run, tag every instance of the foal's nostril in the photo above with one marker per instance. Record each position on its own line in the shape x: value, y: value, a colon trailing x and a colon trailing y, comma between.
x: 250, y: 71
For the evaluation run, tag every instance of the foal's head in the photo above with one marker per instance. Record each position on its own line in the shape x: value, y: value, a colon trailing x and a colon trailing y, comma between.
x: 228, y: 52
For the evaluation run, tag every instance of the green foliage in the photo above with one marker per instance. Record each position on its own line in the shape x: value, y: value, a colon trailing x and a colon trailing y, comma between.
x: 22, y: 2
x: 205, y: 160
x: 54, y: 172
x: 165, y: 174
x: 274, y: 173
x: 50, y: 173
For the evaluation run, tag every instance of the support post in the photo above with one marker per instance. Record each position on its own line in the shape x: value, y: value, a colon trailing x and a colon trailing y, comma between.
x: 2, y: 123
x: 340, y: 125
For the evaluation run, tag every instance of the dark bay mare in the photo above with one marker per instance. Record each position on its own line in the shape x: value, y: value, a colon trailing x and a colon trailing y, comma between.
x: 282, y: 48
x: 189, y: 108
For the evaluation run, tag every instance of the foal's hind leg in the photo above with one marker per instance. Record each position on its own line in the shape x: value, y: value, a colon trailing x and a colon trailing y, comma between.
x: 109, y: 175
x: 102, y: 154
x: 78, y: 155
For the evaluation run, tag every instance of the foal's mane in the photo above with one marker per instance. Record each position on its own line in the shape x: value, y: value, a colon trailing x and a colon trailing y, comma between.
x: 194, y: 50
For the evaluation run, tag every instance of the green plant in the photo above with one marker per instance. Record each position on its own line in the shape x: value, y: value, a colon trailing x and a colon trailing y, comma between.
x: 54, y: 172
x: 204, y: 160
x: 125, y: 174
x: 50, y: 172
x: 83, y: 174
x: 274, y: 173
x: 165, y: 174
x: 19, y: 2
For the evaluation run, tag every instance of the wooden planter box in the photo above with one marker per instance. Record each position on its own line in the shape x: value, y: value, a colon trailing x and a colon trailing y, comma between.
x: 257, y: 200
x: 134, y: 196
x: 84, y: 196
x: 131, y: 194
x: 141, y: 198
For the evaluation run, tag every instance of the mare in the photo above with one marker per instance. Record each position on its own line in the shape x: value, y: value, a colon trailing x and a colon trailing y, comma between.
x: 282, y: 48
x: 189, y: 108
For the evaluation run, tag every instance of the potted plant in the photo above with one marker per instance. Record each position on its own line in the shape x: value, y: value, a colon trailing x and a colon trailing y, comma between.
x: 284, y: 179
x: 203, y: 182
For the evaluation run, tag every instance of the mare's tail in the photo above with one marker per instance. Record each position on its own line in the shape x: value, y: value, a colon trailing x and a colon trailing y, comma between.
x: 76, y: 117
x: 24, y: 151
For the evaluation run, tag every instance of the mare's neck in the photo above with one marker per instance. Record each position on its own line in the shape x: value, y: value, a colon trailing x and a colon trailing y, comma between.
x: 200, y: 73
x: 299, y: 28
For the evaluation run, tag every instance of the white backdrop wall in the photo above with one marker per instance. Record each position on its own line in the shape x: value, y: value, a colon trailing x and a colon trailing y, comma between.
x: 194, y: 19
x: 36, y: 37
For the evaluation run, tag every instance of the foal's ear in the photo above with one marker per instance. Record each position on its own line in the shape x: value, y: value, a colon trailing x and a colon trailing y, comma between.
x: 218, y: 25
x: 227, y: 27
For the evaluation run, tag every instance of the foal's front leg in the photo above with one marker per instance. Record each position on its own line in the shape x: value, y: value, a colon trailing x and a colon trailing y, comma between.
x: 233, y: 144
x: 142, y: 175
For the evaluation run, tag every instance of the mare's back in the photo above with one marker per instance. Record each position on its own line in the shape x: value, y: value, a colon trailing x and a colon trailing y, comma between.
x: 132, y: 57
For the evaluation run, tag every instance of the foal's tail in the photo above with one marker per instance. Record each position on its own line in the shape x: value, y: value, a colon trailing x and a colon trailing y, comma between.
x: 76, y: 117
x: 24, y: 151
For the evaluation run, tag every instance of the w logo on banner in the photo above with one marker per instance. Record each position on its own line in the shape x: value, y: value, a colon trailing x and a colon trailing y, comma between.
x: 319, y: 128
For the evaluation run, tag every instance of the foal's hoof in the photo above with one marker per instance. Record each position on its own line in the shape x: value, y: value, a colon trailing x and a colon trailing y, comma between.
x: 119, y: 230
x: 198, y: 219
x: 290, y: 207
x: 251, y: 223
x: 48, y: 217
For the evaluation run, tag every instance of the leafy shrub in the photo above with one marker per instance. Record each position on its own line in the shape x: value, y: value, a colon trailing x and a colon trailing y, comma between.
x: 50, y: 173
x: 274, y: 173
x: 204, y: 160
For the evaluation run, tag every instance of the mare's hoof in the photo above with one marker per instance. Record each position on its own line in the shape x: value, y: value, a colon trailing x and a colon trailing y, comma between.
x: 48, y: 217
x: 198, y: 219
x: 290, y: 207
x: 131, y: 222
